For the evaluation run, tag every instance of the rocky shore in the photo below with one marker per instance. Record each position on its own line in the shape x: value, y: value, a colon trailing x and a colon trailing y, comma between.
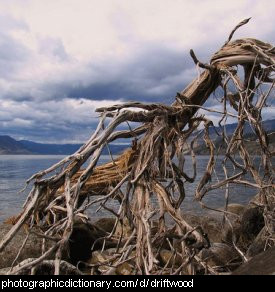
x: 238, y: 246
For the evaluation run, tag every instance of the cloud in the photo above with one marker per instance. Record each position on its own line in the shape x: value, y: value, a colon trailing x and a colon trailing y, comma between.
x: 60, y: 59
x: 13, y: 53
x: 151, y: 75
x: 54, y: 48
x: 65, y: 120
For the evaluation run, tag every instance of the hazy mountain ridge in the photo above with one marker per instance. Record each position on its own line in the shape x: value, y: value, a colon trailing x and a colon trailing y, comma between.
x: 64, y: 149
x: 249, y: 137
x: 48, y: 149
x: 8, y: 145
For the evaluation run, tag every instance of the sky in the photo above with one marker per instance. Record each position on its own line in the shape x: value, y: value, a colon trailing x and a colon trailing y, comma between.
x: 61, y: 59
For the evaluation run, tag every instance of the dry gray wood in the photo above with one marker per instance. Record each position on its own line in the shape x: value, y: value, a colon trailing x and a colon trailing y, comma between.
x: 148, y: 170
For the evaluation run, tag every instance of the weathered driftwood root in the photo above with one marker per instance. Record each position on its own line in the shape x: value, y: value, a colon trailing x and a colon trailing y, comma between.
x: 45, y: 267
x: 148, y: 170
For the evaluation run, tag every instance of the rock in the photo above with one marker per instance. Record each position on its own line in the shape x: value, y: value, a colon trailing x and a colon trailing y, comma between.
x: 246, y: 229
x: 31, y: 249
x: 220, y: 255
x: 261, y: 264
x: 256, y: 201
x: 228, y: 232
x: 262, y: 200
x: 237, y: 209
x: 234, y: 212
x: 99, y: 258
x: 124, y: 269
x: 123, y: 229
x: 210, y: 225
x: 167, y: 258
x: 252, y: 222
x: 259, y: 244
x: 102, y: 257
x: 106, y: 224
x: 84, y: 238
x: 213, y: 229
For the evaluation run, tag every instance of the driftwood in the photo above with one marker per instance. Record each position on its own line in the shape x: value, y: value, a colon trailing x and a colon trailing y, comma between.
x: 64, y: 191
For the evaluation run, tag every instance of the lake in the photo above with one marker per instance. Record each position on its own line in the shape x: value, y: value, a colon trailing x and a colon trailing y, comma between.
x: 16, y: 169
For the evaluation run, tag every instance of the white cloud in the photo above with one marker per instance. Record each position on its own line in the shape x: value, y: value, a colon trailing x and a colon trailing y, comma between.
x: 49, y: 120
x: 48, y: 48
x: 91, y: 28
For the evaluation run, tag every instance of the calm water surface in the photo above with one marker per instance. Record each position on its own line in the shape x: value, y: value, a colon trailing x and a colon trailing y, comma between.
x: 15, y: 169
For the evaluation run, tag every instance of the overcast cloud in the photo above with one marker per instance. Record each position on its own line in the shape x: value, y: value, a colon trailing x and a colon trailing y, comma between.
x: 60, y: 59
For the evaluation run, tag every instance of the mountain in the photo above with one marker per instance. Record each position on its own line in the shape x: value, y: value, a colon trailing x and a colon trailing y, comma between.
x: 249, y: 137
x: 48, y: 149
x: 268, y: 125
x: 64, y: 149
x: 10, y: 146
x: 251, y: 143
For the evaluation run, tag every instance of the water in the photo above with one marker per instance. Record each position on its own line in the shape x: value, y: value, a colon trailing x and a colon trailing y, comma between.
x: 16, y: 169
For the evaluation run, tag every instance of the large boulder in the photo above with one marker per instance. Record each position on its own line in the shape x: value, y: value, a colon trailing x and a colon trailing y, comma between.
x: 85, y: 238
x: 103, y: 260
x: 256, y: 201
x: 124, y: 269
x: 261, y: 264
x: 169, y: 259
x: 244, y: 231
x: 237, y: 209
x: 210, y: 225
x: 260, y: 243
x: 31, y: 249
x: 123, y: 229
x: 106, y: 224
x: 252, y: 222
x: 221, y: 256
